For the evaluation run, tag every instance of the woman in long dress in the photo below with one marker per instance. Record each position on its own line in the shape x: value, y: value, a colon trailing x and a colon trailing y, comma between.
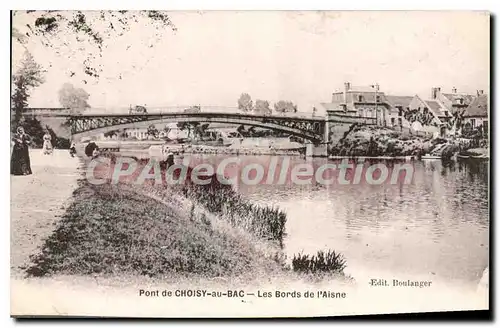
x: 20, y: 159
x: 47, y: 144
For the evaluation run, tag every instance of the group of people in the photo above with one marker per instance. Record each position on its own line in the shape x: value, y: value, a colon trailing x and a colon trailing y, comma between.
x: 20, y: 163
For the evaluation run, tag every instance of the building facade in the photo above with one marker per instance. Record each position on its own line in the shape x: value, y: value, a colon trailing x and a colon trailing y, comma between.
x: 476, y: 114
x: 369, y: 102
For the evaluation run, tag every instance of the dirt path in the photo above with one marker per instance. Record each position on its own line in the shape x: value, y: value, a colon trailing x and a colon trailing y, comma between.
x: 37, y: 201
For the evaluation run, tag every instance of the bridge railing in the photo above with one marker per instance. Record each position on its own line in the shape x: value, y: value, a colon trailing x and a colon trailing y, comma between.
x: 160, y: 111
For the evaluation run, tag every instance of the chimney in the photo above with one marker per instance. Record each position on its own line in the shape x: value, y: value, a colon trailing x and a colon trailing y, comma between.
x: 435, y: 92
x: 454, y: 90
x: 347, y: 87
x: 480, y: 92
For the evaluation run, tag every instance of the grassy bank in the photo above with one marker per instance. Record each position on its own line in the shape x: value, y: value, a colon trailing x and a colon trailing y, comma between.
x: 114, y: 230
x: 157, y: 231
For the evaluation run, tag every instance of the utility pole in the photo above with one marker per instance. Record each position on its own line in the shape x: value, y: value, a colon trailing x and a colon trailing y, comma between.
x: 376, y: 87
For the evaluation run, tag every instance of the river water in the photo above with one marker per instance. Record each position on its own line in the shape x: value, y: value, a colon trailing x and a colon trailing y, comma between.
x: 436, y: 227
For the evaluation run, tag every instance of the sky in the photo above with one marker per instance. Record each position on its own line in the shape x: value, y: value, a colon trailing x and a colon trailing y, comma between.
x: 300, y: 56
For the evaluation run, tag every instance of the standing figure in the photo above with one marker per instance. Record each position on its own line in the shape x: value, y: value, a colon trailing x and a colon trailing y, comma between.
x: 72, y: 149
x: 47, y: 144
x: 170, y: 159
x: 20, y: 158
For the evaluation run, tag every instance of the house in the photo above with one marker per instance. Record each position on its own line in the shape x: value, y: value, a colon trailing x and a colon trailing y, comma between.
x: 453, y: 102
x: 369, y: 101
x: 431, y: 114
x: 476, y: 114
x: 398, y: 106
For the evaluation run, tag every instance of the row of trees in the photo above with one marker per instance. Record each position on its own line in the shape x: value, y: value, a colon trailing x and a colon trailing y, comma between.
x: 262, y: 107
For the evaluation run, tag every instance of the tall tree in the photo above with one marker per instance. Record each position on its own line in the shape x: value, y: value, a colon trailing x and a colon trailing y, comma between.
x: 285, y: 106
x: 29, y: 75
x: 74, y: 98
x: 245, y: 102
x: 262, y: 107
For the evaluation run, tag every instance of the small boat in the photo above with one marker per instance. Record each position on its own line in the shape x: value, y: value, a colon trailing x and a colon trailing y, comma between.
x: 484, y: 157
x: 429, y: 156
x: 467, y: 156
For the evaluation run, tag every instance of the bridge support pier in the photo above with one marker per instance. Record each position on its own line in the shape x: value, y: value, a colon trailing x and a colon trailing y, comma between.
x: 316, y: 150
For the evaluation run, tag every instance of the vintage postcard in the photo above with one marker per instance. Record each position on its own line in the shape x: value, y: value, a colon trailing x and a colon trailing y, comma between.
x: 249, y: 163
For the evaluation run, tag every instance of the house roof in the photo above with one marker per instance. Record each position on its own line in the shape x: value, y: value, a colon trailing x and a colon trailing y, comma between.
x: 434, y: 105
x: 454, y: 97
x: 335, y: 106
x: 399, y: 100
x: 478, y: 107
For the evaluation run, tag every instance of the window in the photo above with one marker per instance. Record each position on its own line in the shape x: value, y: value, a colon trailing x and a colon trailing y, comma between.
x: 393, y: 121
x: 360, y: 98
x: 377, y: 99
x: 473, y: 122
x: 360, y: 112
x: 461, y: 101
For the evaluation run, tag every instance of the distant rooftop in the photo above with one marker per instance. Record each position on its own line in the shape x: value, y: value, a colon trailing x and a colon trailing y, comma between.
x: 478, y: 107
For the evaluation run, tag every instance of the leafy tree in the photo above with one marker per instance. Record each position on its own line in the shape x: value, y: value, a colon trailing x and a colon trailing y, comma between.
x: 29, y: 75
x: 245, y: 102
x: 193, y: 109
x: 111, y: 133
x: 191, y: 126
x: 285, y: 106
x: 194, y: 126
x: 74, y: 98
x: 185, y: 126
x: 201, y: 130
x: 262, y: 107
x: 241, y: 130
x: 92, y: 31
x: 153, y: 131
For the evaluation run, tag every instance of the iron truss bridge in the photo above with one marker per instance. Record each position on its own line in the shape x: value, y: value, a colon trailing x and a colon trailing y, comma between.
x: 312, y: 129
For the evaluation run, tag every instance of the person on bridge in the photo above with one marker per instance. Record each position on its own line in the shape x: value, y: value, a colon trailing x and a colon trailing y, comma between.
x: 20, y: 159
x: 47, y: 144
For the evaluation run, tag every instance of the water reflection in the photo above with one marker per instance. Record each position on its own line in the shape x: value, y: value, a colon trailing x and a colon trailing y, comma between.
x: 437, y: 224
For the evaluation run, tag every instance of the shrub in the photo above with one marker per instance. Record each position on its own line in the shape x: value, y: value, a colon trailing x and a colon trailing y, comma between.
x: 324, y: 262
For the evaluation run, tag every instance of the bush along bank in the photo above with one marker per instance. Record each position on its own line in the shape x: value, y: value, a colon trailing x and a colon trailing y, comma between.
x: 378, y: 141
x: 122, y: 229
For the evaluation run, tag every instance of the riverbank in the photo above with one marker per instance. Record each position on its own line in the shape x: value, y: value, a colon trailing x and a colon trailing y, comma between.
x: 379, y: 142
x: 124, y: 229
x: 116, y: 230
